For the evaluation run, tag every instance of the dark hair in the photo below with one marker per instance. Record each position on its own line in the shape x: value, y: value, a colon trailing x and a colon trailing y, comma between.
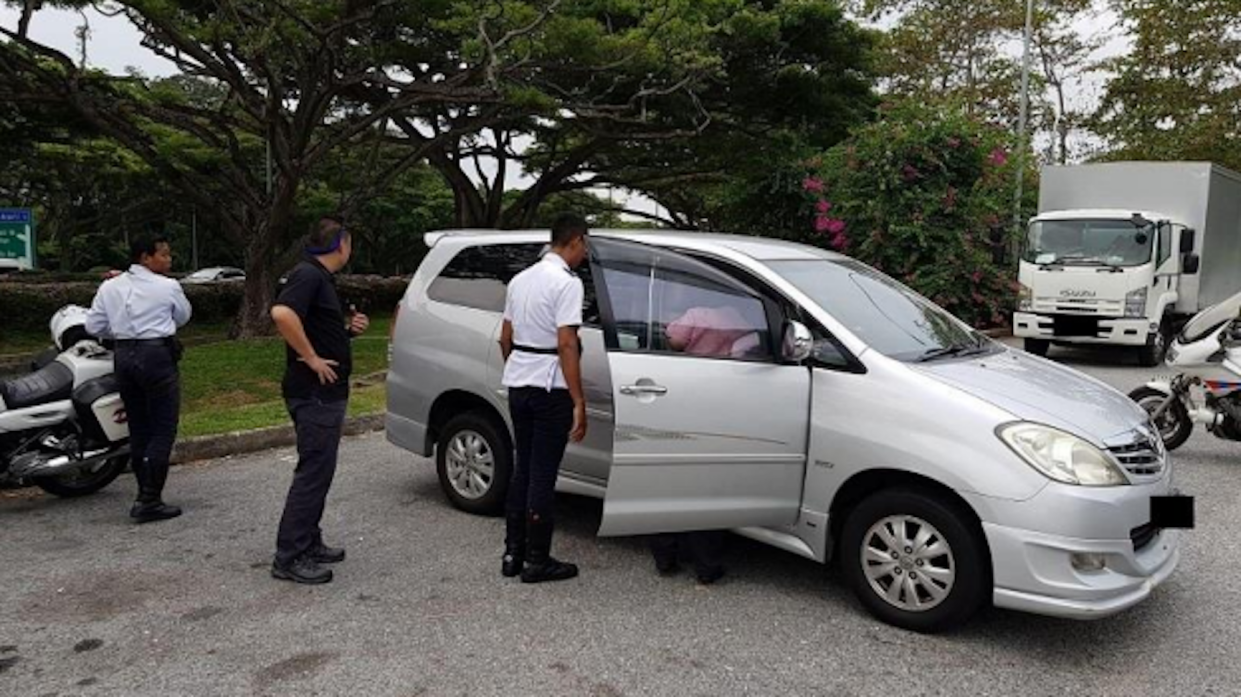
x: 566, y: 228
x: 323, y: 232
x: 144, y: 244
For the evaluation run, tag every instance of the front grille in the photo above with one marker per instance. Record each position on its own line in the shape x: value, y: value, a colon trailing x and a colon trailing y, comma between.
x: 1143, y: 535
x: 1142, y: 458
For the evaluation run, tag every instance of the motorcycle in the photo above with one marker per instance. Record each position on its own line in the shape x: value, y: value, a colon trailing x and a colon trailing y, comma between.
x: 1207, y: 358
x: 63, y: 427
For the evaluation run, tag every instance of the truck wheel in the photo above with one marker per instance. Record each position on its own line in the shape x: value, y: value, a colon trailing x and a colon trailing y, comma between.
x: 915, y: 561
x: 1156, y: 348
x: 474, y: 463
x: 1038, y: 347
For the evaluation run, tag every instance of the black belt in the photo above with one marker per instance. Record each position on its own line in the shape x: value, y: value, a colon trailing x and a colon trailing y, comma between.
x: 544, y: 351
x: 163, y: 341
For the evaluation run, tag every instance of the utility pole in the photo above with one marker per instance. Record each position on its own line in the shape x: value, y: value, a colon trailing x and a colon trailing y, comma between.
x: 1022, y: 119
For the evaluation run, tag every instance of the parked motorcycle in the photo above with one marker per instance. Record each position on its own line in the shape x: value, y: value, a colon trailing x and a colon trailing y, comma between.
x: 1207, y: 357
x: 63, y: 427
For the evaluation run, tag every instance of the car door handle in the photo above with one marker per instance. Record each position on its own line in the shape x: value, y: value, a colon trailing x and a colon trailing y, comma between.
x: 643, y: 389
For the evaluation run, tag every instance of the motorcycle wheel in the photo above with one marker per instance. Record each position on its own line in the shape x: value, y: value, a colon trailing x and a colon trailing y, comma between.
x: 1174, y: 426
x: 83, y: 482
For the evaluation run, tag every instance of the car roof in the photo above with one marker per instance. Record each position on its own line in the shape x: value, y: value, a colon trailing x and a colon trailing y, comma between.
x: 761, y: 248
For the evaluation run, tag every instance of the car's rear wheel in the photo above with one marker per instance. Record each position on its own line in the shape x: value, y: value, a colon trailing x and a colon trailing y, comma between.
x: 914, y: 560
x: 474, y: 463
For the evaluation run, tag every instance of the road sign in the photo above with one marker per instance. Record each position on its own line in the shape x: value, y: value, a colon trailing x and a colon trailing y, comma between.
x: 17, y: 238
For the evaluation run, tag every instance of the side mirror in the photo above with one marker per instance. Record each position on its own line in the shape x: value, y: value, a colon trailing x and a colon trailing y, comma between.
x: 1190, y: 264
x: 1187, y: 240
x: 798, y: 342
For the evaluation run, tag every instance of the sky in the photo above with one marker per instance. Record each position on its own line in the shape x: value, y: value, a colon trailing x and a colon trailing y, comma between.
x: 114, y: 45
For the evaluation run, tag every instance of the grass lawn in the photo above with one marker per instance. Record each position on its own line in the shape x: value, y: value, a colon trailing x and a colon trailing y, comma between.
x: 235, y: 385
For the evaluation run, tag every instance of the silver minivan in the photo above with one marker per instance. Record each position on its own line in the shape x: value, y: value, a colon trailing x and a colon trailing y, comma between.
x: 840, y: 416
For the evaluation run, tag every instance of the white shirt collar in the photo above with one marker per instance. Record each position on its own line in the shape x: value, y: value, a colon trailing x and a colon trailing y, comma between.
x: 557, y: 260
x: 140, y: 270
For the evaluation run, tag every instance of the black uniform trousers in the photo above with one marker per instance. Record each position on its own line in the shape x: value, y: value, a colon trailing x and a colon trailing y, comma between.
x: 319, y: 426
x: 542, y: 420
x: 150, y: 386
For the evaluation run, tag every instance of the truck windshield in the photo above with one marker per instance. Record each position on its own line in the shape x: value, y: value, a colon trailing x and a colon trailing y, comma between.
x: 889, y: 317
x: 1089, y: 243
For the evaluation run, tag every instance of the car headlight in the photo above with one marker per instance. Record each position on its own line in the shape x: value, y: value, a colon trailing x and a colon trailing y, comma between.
x: 1061, y: 456
x: 1135, y: 303
x: 1025, y: 298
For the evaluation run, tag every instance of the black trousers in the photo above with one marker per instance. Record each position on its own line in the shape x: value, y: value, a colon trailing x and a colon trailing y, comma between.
x: 705, y: 549
x: 319, y: 426
x: 541, y: 424
x: 150, y: 387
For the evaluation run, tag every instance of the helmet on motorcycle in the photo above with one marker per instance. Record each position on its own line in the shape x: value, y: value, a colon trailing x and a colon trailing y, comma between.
x: 68, y: 326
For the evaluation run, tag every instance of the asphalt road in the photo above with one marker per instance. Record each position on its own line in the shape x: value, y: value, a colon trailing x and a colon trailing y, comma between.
x: 95, y: 606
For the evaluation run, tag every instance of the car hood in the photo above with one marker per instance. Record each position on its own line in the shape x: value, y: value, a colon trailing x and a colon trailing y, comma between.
x: 1036, y: 389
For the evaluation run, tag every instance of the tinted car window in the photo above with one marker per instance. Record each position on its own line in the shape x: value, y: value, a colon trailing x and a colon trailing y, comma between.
x: 671, y: 304
x: 478, y: 277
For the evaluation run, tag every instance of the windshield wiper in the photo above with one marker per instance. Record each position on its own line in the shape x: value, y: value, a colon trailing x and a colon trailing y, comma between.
x: 956, y: 351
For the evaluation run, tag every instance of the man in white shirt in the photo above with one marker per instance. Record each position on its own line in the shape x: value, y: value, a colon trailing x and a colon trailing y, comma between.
x: 542, y: 372
x: 141, y: 310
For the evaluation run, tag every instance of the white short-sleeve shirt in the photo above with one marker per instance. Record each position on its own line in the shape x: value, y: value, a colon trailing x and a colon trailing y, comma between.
x: 540, y: 300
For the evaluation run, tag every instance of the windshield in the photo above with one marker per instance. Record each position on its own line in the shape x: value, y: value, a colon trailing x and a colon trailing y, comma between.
x: 889, y: 317
x: 1089, y: 242
x: 1212, y: 318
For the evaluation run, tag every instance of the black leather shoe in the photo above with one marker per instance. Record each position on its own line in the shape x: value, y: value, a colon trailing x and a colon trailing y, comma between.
x: 327, y: 555
x: 511, y: 565
x: 302, y: 570
x: 667, y: 567
x: 550, y: 570
x: 151, y: 512
x: 708, y: 576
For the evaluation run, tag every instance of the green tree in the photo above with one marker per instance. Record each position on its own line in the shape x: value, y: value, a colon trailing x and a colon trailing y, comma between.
x: 1177, y: 94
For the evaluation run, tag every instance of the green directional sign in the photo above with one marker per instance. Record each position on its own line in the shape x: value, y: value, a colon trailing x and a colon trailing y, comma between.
x: 17, y: 241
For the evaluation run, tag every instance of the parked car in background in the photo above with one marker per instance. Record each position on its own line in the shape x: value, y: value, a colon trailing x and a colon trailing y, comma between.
x: 851, y: 420
x: 215, y: 274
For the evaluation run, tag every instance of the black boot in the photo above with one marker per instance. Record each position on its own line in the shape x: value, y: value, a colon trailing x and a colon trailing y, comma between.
x: 514, y: 545
x: 540, y: 565
x: 148, y: 507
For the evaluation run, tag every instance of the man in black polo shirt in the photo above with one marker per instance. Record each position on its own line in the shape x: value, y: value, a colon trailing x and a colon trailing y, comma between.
x: 308, y: 314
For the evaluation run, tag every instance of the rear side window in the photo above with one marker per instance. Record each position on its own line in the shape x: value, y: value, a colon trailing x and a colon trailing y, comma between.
x: 478, y: 277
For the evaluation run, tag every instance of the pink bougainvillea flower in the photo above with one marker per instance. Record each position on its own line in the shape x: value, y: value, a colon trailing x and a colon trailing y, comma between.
x: 812, y: 184
x: 998, y: 157
x: 823, y: 206
x: 821, y: 224
x: 977, y: 276
x: 909, y: 172
x: 835, y: 226
x: 954, y: 142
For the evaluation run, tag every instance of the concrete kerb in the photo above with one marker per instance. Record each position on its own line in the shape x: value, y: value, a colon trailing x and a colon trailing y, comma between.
x: 241, y: 442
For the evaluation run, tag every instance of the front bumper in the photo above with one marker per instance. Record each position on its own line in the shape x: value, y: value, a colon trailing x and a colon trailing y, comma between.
x: 1103, y: 330
x: 1032, y: 552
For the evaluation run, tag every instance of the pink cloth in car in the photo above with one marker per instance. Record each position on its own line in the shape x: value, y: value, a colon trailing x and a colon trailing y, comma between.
x: 708, y: 331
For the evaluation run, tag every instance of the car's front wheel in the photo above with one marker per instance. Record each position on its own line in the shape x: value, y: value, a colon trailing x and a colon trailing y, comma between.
x: 914, y: 560
x: 474, y: 463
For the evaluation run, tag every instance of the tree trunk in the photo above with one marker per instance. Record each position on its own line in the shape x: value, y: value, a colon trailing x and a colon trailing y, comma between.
x: 262, y: 253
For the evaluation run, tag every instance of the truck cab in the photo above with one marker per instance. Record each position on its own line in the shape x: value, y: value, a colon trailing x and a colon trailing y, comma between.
x: 1104, y: 276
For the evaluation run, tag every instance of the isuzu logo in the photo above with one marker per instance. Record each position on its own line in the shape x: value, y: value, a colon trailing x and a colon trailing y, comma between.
x: 1071, y: 293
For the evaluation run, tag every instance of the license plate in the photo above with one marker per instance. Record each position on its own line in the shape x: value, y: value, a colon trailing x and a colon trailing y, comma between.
x: 1172, y: 511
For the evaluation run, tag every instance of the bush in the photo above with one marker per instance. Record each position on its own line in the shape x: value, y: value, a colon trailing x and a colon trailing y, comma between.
x: 29, y: 306
x: 926, y: 197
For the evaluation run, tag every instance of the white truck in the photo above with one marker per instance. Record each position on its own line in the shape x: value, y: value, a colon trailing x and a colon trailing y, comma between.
x: 1124, y: 253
